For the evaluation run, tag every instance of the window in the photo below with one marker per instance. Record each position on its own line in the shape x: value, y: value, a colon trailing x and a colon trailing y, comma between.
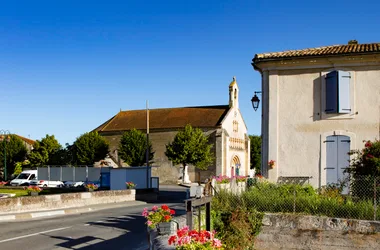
x: 338, y: 92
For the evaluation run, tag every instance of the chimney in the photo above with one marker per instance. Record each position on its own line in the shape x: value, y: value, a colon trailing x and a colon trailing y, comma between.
x: 353, y: 42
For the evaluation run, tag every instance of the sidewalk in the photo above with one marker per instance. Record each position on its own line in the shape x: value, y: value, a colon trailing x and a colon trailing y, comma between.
x: 66, y: 211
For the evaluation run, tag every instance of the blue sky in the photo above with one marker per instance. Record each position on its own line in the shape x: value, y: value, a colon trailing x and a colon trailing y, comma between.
x: 68, y: 66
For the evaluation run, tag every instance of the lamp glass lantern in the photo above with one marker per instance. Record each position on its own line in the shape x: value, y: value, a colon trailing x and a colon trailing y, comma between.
x: 255, y: 101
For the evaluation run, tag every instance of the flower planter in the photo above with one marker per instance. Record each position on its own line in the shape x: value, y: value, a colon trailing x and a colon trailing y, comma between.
x: 166, y: 228
x: 33, y: 193
x: 89, y: 190
x: 223, y: 186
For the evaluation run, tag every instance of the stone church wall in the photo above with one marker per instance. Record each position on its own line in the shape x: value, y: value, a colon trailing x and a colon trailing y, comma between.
x: 163, y: 168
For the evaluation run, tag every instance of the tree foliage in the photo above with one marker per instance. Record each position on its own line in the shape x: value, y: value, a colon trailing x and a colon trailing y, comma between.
x: 44, y: 151
x: 89, y: 148
x: 255, y: 153
x: 190, y: 146
x: 19, y: 166
x: 132, y: 148
x: 366, y: 162
x: 15, y: 152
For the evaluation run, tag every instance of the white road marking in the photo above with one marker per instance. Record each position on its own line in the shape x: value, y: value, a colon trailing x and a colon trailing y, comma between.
x: 30, y: 235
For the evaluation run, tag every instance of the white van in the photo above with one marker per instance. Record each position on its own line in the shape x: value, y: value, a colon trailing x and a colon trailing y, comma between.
x: 24, y: 178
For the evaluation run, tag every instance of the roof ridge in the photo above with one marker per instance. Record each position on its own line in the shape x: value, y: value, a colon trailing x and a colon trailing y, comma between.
x: 337, y: 49
x: 211, y: 106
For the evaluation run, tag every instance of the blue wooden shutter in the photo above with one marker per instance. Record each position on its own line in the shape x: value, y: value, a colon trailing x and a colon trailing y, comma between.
x: 344, y: 106
x: 343, y: 156
x: 332, y: 92
x: 331, y: 159
x: 343, y: 160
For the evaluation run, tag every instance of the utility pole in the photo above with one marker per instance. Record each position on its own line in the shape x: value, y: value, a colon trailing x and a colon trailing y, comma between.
x: 5, y: 137
x: 147, y: 144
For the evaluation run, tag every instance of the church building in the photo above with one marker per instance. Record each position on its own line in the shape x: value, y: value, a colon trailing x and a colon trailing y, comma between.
x: 223, y: 124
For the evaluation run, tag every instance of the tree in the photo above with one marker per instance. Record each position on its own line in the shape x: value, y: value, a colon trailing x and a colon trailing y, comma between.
x: 43, y: 151
x: 365, y: 170
x: 366, y: 162
x: 90, y: 148
x: 132, y: 148
x: 15, y: 152
x: 255, y: 153
x: 19, y: 166
x: 190, y: 146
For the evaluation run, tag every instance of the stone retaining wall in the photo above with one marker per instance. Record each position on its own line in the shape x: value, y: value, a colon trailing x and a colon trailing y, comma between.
x: 61, y: 201
x: 288, y: 231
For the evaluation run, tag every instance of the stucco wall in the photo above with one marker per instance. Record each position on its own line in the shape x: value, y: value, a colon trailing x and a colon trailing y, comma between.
x: 295, y: 124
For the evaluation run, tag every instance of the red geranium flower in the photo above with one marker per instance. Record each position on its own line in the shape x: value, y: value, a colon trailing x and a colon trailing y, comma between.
x: 172, y: 211
x: 167, y: 217
x: 164, y: 207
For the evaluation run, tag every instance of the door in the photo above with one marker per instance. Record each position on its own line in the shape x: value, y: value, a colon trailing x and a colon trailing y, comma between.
x: 337, y: 158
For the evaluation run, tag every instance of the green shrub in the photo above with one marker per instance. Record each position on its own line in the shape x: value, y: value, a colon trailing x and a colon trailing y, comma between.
x: 237, y: 228
x: 290, y: 198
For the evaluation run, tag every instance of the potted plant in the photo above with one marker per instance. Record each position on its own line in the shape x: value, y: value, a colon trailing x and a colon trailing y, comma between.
x: 160, y: 218
x: 90, y: 187
x: 185, y: 239
x: 130, y: 185
x: 271, y: 163
x: 33, y: 190
x: 222, y: 182
x: 241, y: 181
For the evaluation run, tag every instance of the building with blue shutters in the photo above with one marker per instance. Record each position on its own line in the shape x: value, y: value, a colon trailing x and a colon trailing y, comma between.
x: 317, y: 105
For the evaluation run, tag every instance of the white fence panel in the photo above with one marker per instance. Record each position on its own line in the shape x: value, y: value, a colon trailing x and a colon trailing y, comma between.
x: 55, y: 173
x: 67, y: 174
x: 42, y: 173
x: 80, y: 174
x: 93, y: 174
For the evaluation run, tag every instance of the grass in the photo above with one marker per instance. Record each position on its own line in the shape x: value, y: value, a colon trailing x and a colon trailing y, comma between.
x: 45, y: 191
x: 18, y: 192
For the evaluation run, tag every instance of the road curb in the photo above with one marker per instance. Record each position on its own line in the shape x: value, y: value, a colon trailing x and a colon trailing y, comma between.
x: 67, y: 211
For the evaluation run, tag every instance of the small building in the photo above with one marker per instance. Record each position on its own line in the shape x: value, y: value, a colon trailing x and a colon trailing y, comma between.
x: 223, y: 124
x: 317, y: 105
x: 28, y: 143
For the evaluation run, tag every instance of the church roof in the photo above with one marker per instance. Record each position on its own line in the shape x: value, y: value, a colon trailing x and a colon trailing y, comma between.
x: 166, y: 118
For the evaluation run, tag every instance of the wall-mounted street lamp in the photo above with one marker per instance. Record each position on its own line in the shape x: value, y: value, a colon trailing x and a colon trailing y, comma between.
x: 255, y: 101
x: 5, y: 136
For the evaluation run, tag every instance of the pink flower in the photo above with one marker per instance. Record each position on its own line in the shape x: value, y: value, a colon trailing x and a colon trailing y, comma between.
x: 154, y: 208
x: 216, y: 243
x: 145, y: 212
x: 149, y: 223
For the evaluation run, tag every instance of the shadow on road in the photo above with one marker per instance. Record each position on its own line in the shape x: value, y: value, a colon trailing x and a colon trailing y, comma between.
x: 127, y: 232
x: 131, y: 230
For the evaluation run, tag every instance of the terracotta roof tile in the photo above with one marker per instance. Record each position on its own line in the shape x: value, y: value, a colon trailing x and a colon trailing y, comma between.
x: 29, y: 141
x: 334, y: 50
x: 206, y: 116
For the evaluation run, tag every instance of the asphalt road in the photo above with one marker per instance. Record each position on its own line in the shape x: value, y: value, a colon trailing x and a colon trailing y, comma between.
x: 116, y: 228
